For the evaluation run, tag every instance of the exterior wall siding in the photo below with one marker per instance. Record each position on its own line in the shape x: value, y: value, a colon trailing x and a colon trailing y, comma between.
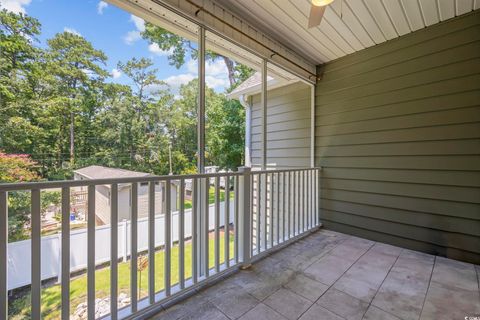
x: 398, y: 138
x: 288, y: 127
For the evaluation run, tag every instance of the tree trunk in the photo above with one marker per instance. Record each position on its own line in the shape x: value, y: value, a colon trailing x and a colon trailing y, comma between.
x: 72, y: 138
x: 231, y: 70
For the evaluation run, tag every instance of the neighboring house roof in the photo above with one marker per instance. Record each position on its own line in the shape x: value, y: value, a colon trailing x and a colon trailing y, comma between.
x: 253, y: 85
x: 101, y: 172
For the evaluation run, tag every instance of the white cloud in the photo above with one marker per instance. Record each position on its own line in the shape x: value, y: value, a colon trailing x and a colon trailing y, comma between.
x: 72, y: 31
x: 139, y: 23
x: 131, y: 37
x: 178, y: 80
x: 17, y: 6
x: 216, y: 73
x: 102, y: 5
x: 215, y: 82
x: 116, y: 73
x: 154, y: 48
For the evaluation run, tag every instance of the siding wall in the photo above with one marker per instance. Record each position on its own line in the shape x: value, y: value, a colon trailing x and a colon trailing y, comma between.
x: 398, y: 137
x: 288, y: 127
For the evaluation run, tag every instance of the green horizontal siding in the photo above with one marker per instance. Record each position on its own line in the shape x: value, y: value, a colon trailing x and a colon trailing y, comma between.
x: 398, y: 137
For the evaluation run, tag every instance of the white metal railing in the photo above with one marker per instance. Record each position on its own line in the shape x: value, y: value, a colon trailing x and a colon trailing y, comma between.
x: 270, y: 208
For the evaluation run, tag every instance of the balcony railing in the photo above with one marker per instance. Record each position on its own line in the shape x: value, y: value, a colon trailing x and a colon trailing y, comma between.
x: 261, y: 211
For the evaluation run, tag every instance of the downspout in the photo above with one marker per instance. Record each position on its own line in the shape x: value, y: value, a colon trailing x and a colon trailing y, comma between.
x: 248, y: 129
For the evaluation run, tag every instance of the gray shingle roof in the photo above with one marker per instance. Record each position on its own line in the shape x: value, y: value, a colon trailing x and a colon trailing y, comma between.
x: 101, y: 172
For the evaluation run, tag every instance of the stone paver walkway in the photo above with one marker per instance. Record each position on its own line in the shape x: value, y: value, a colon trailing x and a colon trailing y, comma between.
x: 329, y: 275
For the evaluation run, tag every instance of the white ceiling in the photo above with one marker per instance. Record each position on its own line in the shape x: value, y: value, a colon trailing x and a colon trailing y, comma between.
x: 347, y: 26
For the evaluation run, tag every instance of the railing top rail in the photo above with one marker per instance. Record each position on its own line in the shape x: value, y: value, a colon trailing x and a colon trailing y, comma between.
x: 285, y: 170
x: 82, y: 183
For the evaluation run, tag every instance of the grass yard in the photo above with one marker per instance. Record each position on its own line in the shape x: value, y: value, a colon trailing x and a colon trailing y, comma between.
x: 51, y: 296
x: 211, y: 197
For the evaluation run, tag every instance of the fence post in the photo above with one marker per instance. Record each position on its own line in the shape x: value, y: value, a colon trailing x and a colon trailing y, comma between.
x: 245, y: 216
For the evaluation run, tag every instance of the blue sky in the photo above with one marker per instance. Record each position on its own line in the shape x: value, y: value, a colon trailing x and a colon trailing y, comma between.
x: 114, y: 31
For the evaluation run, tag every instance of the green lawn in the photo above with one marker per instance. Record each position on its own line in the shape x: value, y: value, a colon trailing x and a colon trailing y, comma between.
x: 211, y: 197
x: 51, y: 296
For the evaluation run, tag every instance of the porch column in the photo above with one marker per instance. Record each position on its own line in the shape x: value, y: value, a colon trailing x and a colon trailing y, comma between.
x: 264, y: 114
x: 202, y: 207
x: 312, y: 126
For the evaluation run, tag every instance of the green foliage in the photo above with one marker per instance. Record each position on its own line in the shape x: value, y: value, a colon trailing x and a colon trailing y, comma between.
x: 56, y: 105
x: 14, y: 168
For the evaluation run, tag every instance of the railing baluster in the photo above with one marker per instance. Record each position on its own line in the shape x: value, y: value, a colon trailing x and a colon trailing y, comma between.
x: 194, y: 230
x: 3, y: 254
x: 36, y: 254
x: 217, y: 224
x: 134, y: 248
x: 304, y: 202
x: 265, y: 211
x: 294, y: 224
x: 289, y: 207
x: 181, y: 235
x: 284, y: 216
x: 168, y: 236
x: 114, y: 251
x: 277, y: 202
x: 317, y: 196
x: 151, y: 242
x: 309, y: 197
x: 258, y: 215
x: 251, y: 197
x: 236, y: 214
x: 226, y: 222
x: 207, y: 228
x: 297, y: 202
x: 91, y: 252
x: 65, y: 253
x: 272, y: 205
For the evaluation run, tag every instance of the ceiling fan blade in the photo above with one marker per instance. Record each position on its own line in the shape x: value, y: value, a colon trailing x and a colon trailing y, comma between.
x: 316, y: 15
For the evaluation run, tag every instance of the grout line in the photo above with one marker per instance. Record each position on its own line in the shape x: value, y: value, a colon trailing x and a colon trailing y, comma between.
x: 478, y: 276
x: 429, y: 283
x: 381, y: 284
x: 374, y: 242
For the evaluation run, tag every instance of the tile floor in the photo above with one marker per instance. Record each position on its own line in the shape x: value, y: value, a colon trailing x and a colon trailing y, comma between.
x: 329, y: 275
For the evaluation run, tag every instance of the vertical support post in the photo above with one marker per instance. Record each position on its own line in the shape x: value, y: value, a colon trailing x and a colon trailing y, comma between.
x: 65, y: 253
x: 133, y: 247
x: 201, y: 100
x: 91, y: 252
x: 226, y: 222
x: 206, y: 227
x: 217, y: 224
x: 36, y: 254
x: 114, y: 251
x: 181, y: 235
x: 195, y: 264
x: 236, y: 217
x: 3, y: 255
x: 264, y: 114
x: 312, y: 126
x: 151, y: 241
x: 168, y: 235
x: 245, y: 217
x: 202, y: 192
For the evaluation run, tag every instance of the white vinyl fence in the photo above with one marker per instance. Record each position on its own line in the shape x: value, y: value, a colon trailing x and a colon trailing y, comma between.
x: 19, y: 253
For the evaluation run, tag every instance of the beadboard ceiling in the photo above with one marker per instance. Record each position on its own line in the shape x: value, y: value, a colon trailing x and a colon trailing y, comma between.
x: 347, y: 26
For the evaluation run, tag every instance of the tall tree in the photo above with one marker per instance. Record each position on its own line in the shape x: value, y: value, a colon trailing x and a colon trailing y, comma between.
x: 179, y: 47
x: 76, y: 67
